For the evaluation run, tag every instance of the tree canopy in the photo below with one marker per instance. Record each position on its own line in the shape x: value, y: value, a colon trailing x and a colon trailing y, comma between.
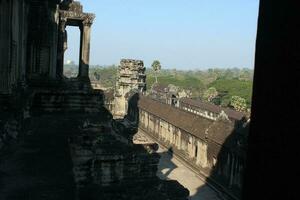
x: 156, y: 66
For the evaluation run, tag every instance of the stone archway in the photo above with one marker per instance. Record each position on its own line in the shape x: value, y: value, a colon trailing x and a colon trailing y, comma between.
x: 73, y: 15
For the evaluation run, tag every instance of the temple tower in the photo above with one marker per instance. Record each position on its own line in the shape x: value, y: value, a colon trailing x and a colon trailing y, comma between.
x: 131, y: 78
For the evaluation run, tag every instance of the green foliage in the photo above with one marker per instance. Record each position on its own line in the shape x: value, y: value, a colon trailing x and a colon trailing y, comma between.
x: 210, y: 94
x: 106, y: 76
x: 238, y: 103
x: 227, y: 82
x: 183, y: 82
x: 233, y: 87
x: 156, y: 66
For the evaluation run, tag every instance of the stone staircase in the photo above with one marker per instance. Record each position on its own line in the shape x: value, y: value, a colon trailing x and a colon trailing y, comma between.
x: 67, y: 101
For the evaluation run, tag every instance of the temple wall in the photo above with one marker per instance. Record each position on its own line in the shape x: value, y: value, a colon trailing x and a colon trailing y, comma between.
x: 131, y: 77
x: 42, y: 48
x: 222, y: 165
x: 13, y: 32
x: 28, y: 37
x: 97, y: 161
x: 197, y: 111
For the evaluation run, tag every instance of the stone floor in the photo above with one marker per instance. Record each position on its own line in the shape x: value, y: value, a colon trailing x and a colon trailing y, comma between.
x: 171, y: 168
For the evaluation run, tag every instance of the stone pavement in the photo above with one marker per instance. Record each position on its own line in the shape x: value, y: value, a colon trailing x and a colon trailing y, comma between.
x: 171, y: 168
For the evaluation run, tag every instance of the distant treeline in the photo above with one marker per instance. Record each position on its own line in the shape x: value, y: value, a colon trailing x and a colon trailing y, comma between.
x: 227, y: 82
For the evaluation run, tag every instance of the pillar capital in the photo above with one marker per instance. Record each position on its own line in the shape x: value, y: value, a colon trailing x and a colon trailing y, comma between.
x: 88, y: 20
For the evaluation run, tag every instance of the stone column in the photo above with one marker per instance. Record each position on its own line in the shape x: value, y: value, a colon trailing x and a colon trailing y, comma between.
x: 60, y: 48
x: 85, y: 49
x: 273, y: 146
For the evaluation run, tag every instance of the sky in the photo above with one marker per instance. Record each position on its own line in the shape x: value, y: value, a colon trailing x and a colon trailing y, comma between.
x: 181, y: 34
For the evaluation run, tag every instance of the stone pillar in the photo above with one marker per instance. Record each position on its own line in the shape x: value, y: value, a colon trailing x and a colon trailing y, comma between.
x: 273, y: 146
x: 5, y: 40
x: 85, y: 49
x: 60, y: 48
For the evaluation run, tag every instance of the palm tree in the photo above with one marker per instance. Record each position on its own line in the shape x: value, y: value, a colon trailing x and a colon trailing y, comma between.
x: 156, y: 68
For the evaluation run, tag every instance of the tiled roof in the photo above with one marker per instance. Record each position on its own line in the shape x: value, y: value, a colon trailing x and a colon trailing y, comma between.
x: 189, y: 122
x: 214, y: 108
x: 160, y: 88
x: 220, y: 132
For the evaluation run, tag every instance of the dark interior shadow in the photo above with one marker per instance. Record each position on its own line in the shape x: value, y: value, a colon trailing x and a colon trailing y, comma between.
x: 228, y: 164
x: 129, y: 127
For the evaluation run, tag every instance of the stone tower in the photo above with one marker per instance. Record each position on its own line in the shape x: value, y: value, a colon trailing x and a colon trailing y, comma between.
x: 131, y: 78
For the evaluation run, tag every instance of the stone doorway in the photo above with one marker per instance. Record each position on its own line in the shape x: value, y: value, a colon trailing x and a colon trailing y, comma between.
x: 71, y: 51
x: 73, y: 15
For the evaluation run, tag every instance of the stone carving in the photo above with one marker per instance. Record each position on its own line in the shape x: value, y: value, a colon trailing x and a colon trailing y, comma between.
x: 88, y: 19
x: 131, y: 77
x: 75, y: 7
x: 64, y: 15
x: 75, y: 11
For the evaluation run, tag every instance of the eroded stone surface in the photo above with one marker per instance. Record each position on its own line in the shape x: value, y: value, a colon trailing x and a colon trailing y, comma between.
x: 131, y: 79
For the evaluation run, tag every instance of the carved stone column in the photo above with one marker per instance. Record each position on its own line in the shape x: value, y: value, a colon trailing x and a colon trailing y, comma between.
x: 85, y: 47
x: 60, y: 48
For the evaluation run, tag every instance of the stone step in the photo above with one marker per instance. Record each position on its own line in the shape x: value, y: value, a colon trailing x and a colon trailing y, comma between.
x: 69, y: 110
x: 59, y: 104
x: 68, y: 101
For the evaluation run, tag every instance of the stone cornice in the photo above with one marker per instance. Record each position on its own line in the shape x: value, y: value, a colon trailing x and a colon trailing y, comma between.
x: 86, y: 18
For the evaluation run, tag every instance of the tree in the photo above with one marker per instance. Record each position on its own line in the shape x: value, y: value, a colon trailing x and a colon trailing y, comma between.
x: 210, y: 94
x: 238, y: 103
x: 156, y: 68
x: 97, y: 75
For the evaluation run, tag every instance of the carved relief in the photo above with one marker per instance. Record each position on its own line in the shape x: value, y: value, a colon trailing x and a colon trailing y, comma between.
x: 75, y: 7
x: 88, y: 20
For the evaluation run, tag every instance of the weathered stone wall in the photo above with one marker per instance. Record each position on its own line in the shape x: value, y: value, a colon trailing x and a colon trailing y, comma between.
x: 131, y: 76
x: 42, y: 40
x: 28, y: 37
x: 13, y: 40
x: 68, y: 101
x: 216, y: 149
x: 105, y: 157
x: 198, y: 111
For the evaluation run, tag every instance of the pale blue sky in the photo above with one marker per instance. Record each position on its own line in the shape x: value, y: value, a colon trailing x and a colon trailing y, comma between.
x: 182, y: 34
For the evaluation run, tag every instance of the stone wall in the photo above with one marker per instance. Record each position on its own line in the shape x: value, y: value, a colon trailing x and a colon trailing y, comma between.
x: 108, y: 165
x: 100, y: 159
x: 131, y: 76
x: 42, y: 48
x: 13, y: 40
x: 67, y: 101
x: 215, y: 148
